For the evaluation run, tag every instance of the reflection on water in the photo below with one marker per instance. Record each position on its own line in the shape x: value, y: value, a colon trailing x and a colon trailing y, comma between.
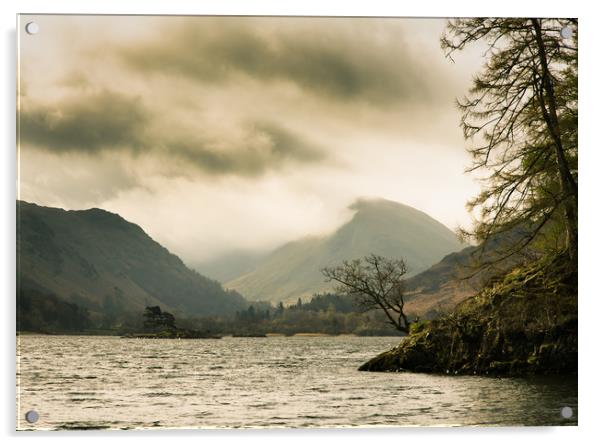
x: 108, y: 382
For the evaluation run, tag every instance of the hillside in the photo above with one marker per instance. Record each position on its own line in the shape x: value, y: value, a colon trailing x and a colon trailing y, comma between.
x: 106, y: 264
x: 524, y: 323
x: 378, y: 226
x: 442, y: 286
x: 230, y: 265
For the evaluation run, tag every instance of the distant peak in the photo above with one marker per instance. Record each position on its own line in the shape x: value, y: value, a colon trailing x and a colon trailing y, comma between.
x: 373, y: 202
x: 376, y: 207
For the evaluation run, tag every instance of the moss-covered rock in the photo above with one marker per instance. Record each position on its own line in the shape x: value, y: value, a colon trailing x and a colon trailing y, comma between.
x: 526, y: 323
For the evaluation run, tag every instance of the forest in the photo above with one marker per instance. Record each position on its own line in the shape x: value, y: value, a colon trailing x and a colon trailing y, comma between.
x: 329, y: 314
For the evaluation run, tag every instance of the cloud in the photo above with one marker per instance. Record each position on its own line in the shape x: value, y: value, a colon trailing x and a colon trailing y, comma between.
x: 88, y: 123
x: 266, y: 146
x: 365, y: 60
x: 75, y: 181
x: 233, y: 96
x: 107, y: 121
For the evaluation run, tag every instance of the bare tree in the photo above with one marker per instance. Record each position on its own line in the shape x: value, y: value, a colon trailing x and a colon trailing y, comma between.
x: 376, y: 283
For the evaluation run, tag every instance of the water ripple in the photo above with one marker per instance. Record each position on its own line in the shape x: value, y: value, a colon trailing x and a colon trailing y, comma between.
x: 111, y: 383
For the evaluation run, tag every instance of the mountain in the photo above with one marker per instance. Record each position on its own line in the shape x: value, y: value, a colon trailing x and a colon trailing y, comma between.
x: 441, y: 287
x: 230, y: 265
x: 104, y: 263
x: 378, y: 226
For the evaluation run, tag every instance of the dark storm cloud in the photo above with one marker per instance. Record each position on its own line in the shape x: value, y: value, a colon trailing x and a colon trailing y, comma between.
x: 326, y: 59
x: 279, y: 147
x: 88, y: 123
x: 94, y: 123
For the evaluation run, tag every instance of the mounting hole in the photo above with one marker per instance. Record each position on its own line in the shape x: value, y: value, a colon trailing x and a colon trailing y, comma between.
x: 32, y: 28
x: 32, y: 416
x: 566, y: 412
x: 566, y: 32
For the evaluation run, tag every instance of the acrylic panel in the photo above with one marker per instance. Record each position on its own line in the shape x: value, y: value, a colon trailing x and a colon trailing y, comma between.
x: 298, y: 222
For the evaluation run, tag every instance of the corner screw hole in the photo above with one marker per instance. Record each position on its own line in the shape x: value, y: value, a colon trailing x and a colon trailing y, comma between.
x: 566, y: 412
x: 566, y: 32
x: 32, y: 416
x: 32, y: 28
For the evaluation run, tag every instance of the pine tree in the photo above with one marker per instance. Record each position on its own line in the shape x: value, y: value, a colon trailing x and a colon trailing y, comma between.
x: 521, y: 117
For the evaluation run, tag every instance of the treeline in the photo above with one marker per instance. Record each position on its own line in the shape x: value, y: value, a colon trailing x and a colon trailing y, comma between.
x: 43, y: 312
x: 323, y: 314
x: 47, y: 312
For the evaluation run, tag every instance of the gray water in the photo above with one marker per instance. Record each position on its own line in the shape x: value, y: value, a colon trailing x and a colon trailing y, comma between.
x: 109, y: 382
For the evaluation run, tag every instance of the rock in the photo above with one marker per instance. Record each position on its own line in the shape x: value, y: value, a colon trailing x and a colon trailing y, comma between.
x: 524, y: 324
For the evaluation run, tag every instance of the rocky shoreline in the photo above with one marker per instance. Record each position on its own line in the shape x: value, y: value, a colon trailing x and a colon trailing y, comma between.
x: 524, y: 324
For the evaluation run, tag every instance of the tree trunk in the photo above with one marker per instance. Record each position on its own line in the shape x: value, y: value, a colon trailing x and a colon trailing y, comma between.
x: 568, y: 185
x: 396, y: 323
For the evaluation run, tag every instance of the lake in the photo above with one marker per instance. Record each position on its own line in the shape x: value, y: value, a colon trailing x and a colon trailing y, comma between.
x: 78, y: 382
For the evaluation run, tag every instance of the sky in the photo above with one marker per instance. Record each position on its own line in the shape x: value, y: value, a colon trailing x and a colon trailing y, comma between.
x: 217, y: 134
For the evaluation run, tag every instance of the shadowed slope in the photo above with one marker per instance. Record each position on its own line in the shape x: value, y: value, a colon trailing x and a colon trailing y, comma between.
x: 99, y: 260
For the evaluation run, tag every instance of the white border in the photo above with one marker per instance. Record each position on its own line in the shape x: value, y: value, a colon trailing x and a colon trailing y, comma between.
x: 590, y: 170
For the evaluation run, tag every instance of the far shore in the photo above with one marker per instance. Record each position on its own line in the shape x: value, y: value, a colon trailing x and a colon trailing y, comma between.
x: 130, y: 335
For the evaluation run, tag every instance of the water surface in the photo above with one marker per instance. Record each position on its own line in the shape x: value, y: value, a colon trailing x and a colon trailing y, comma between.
x: 107, y: 382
